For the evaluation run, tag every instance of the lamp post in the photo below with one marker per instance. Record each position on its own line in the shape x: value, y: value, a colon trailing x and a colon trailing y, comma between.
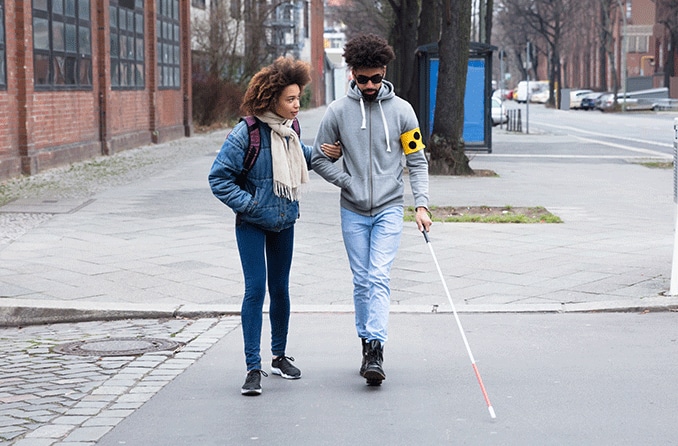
x: 622, y: 9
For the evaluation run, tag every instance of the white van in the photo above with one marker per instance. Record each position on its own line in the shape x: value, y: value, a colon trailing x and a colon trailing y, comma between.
x: 536, y: 87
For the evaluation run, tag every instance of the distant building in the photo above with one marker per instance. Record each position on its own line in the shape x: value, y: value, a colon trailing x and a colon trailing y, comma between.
x: 639, y: 37
x: 82, y: 78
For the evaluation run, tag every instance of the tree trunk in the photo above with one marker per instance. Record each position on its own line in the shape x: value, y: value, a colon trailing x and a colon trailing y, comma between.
x: 489, y: 13
x: 428, y: 32
x: 404, y: 40
x: 446, y: 144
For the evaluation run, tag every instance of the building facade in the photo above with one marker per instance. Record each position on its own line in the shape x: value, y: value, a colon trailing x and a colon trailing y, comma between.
x: 83, y: 78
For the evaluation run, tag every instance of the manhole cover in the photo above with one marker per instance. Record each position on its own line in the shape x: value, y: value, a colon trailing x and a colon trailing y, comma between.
x: 116, y: 346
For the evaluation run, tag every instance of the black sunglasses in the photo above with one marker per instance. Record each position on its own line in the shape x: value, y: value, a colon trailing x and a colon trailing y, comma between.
x: 376, y: 79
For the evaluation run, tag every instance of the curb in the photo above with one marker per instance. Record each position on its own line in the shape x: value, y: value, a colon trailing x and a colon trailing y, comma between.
x: 19, y: 313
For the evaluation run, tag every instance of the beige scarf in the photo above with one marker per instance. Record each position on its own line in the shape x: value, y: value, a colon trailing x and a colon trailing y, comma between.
x: 289, y: 163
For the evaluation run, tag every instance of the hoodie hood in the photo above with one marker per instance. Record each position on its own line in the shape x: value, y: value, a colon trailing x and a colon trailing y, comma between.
x: 386, y: 92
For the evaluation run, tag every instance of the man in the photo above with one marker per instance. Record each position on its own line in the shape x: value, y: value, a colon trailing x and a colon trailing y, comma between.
x: 376, y: 129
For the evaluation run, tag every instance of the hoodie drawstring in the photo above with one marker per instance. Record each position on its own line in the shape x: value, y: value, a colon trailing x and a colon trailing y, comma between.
x: 363, y: 125
x: 383, y: 119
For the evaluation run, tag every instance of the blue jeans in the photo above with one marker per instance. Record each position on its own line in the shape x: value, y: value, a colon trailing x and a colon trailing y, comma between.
x: 371, y: 244
x: 264, y: 254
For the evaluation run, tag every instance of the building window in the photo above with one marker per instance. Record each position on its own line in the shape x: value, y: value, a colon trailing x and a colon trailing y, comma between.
x: 127, y: 44
x: 168, y: 44
x: 3, y: 58
x: 198, y: 4
x: 62, y: 44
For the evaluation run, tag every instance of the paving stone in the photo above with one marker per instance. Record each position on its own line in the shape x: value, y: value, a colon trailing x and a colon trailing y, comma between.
x: 50, y: 431
x: 55, y: 399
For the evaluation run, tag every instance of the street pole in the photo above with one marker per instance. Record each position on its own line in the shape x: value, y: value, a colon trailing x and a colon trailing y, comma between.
x: 624, y: 43
x: 527, y: 95
x: 673, y: 288
x: 501, y: 86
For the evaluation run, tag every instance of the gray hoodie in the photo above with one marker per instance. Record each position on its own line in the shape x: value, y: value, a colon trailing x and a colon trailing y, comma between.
x: 378, y: 139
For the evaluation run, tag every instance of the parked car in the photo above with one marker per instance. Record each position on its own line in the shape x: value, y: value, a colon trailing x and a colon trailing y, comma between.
x: 588, y: 101
x: 499, y: 115
x: 606, y: 102
x: 576, y: 97
x: 542, y: 95
x: 536, y: 87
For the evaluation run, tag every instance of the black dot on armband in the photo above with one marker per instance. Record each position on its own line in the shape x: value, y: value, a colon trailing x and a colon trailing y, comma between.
x: 412, y: 145
x: 416, y: 135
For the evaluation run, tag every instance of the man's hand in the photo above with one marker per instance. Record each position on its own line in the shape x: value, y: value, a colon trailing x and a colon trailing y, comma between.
x: 423, y: 218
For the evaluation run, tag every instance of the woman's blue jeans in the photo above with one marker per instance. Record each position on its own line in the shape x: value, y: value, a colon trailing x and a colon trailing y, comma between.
x: 372, y: 244
x: 264, y: 255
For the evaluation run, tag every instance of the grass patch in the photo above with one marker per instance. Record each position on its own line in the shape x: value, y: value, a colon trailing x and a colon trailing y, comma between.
x: 658, y: 164
x: 487, y: 214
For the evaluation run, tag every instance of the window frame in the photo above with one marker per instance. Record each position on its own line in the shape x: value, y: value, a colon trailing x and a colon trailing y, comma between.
x: 127, y: 72
x: 163, y: 41
x: 66, y: 56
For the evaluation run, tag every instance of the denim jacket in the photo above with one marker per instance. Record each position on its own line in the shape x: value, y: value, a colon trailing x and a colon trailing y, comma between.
x: 255, y: 202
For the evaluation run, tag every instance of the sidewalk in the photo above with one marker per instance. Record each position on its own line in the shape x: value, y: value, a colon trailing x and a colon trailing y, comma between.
x: 163, y: 246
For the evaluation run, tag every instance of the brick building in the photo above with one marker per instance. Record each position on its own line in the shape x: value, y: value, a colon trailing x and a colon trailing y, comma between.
x: 83, y: 78
x: 650, y: 59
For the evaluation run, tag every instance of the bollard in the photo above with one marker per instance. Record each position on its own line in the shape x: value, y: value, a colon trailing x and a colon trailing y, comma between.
x: 514, y: 123
x: 673, y: 290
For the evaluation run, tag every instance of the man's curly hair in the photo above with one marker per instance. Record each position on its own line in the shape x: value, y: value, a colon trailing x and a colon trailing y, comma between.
x: 267, y: 85
x: 368, y: 51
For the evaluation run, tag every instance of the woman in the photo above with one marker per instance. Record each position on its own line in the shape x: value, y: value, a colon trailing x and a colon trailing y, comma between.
x: 266, y: 206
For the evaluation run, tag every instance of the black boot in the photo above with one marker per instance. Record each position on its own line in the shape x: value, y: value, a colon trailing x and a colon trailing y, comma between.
x: 363, y: 366
x: 374, y: 373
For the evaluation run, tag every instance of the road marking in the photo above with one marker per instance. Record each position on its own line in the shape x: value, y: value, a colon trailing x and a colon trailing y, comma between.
x: 653, y: 153
x: 605, y: 135
x: 661, y: 156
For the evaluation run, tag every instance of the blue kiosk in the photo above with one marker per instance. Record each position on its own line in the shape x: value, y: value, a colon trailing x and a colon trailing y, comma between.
x: 477, y: 117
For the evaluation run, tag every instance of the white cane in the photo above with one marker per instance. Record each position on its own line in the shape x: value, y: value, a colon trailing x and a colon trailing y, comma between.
x: 461, y: 329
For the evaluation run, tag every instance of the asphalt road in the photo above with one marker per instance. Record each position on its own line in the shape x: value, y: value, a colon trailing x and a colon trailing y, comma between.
x: 575, y: 379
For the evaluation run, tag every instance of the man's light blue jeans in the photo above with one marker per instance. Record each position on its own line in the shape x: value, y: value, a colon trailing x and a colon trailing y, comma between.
x: 371, y: 244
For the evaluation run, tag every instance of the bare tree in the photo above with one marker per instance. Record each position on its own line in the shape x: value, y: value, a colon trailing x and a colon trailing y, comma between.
x: 362, y: 16
x: 218, y: 42
x: 446, y: 144
x: 514, y: 38
x: 608, y: 11
x: 550, y: 19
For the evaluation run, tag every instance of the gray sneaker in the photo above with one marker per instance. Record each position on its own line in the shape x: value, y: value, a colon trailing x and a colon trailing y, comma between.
x: 252, y: 386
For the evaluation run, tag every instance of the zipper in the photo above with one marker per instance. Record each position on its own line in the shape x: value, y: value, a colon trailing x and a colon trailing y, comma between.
x: 370, y: 175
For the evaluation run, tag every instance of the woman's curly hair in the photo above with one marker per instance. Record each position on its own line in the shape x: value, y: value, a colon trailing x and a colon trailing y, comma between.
x: 267, y: 85
x: 368, y: 51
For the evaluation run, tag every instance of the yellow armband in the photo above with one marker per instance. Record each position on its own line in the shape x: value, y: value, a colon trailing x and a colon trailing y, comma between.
x: 411, y: 141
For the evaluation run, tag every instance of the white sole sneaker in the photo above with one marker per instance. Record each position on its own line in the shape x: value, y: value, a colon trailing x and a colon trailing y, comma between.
x: 279, y: 372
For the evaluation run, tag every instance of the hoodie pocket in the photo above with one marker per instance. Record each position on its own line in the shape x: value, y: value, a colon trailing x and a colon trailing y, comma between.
x: 386, y: 189
x: 357, y: 193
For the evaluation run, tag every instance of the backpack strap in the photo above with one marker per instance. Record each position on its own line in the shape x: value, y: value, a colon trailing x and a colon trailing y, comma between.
x: 252, y: 149
x: 296, y: 127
